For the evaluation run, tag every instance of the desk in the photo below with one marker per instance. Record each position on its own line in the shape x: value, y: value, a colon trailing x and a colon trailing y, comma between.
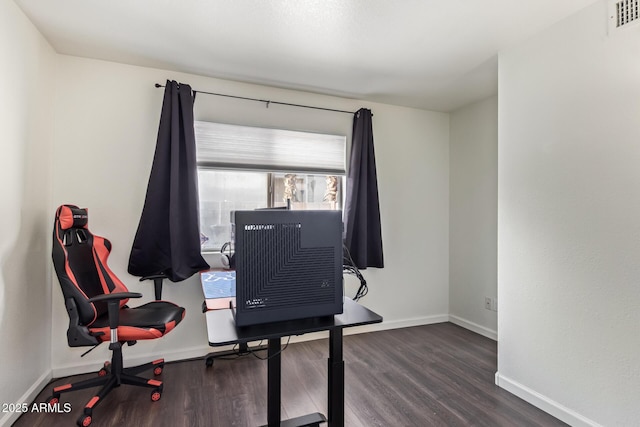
x: 222, y: 330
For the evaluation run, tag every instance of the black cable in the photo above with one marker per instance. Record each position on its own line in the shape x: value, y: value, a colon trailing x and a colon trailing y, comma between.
x: 349, y: 267
x: 235, y: 356
x: 273, y: 355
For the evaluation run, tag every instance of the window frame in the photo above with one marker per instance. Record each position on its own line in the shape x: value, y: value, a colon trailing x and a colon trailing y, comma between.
x: 337, y: 166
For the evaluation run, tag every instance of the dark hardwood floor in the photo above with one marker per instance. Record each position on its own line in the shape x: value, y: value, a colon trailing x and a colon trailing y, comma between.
x: 434, y: 375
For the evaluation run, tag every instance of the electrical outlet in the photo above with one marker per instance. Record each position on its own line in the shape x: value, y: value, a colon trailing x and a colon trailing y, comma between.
x: 491, y: 303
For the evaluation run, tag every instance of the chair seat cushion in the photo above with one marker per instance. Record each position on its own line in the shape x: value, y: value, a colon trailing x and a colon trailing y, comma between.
x: 148, y: 321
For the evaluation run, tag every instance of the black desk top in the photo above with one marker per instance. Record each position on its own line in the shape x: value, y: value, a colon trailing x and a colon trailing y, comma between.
x: 221, y: 327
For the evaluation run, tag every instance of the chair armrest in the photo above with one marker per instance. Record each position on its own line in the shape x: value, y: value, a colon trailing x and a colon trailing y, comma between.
x: 117, y: 296
x: 113, y: 305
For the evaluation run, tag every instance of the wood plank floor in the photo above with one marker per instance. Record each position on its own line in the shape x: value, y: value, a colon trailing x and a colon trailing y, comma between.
x: 434, y: 375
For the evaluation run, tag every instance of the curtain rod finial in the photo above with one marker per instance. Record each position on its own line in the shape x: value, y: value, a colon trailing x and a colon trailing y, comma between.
x: 158, y: 85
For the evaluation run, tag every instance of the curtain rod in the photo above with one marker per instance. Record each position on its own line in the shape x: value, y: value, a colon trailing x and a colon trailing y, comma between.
x: 267, y: 102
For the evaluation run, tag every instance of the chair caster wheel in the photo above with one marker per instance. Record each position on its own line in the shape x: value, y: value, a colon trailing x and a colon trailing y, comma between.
x: 156, y: 394
x: 209, y: 362
x: 84, y: 420
x: 53, y: 400
x: 104, y: 371
x: 157, y: 370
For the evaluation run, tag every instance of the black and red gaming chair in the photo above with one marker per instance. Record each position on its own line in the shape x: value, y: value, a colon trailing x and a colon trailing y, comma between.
x: 95, y: 299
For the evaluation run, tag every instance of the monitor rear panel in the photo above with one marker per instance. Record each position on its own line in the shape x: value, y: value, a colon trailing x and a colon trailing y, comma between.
x: 288, y: 265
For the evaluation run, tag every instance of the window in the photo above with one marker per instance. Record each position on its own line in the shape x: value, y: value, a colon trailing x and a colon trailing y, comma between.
x: 243, y: 168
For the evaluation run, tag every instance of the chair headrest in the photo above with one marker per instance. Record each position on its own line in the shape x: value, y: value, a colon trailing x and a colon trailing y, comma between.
x: 71, y: 216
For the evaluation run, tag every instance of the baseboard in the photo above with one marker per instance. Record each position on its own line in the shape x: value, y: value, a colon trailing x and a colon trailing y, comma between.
x: 405, y: 323
x: 478, y: 329
x: 201, y: 351
x: 543, y: 402
x: 397, y: 324
x: 169, y: 356
x: 29, y: 396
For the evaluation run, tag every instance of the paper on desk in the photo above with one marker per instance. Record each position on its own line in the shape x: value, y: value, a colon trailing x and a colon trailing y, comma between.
x: 219, y: 288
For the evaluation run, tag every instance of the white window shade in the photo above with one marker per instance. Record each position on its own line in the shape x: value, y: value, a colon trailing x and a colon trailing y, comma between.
x: 242, y: 147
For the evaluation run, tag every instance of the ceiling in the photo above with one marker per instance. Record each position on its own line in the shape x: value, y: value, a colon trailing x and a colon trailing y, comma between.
x: 431, y: 54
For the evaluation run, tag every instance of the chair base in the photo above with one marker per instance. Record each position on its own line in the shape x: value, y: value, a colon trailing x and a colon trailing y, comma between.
x: 112, y: 375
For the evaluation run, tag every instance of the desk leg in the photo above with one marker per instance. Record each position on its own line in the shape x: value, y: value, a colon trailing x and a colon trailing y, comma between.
x: 336, y: 379
x: 273, y: 383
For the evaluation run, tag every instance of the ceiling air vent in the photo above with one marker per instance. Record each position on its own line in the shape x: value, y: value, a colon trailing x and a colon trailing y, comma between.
x: 626, y: 12
x: 623, y: 13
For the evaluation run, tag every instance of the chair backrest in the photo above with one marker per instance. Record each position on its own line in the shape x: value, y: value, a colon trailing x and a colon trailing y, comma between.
x: 80, y: 261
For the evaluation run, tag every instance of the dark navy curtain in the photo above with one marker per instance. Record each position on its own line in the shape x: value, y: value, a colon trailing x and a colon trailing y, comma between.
x: 363, y: 232
x: 168, y: 237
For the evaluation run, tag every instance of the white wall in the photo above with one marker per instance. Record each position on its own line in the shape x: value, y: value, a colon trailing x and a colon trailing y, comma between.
x: 105, y: 130
x: 473, y: 227
x: 26, y: 109
x: 569, y: 221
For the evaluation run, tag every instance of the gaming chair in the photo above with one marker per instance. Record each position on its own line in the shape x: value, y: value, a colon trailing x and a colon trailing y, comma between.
x: 96, y: 303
